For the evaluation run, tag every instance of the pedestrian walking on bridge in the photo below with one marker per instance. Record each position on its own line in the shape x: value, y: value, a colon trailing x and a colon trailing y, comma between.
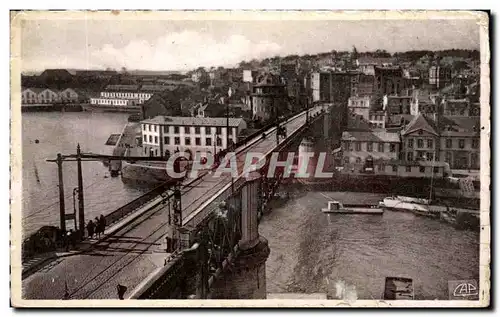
x: 90, y: 229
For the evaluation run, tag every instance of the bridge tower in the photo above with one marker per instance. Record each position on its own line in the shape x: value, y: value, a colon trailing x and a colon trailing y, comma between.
x: 246, y: 277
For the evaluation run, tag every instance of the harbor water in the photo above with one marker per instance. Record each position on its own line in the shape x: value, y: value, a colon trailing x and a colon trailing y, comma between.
x: 60, y: 132
x: 349, y: 256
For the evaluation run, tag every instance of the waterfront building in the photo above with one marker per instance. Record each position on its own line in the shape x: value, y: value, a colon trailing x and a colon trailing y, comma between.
x: 30, y: 95
x: 163, y: 136
x: 460, y: 142
x: 269, y: 99
x: 450, y: 139
x: 73, y: 95
x: 49, y: 96
x: 378, y: 152
x: 127, y: 92
x: 358, y: 146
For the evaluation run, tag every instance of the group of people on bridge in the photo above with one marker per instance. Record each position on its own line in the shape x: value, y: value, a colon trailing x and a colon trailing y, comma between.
x: 96, y: 227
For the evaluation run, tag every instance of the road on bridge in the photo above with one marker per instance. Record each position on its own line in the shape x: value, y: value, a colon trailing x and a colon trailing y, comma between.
x: 132, y: 253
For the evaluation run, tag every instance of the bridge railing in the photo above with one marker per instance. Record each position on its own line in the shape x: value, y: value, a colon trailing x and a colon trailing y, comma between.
x: 135, y: 204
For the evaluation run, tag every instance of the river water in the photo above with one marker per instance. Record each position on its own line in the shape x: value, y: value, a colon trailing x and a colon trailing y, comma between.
x: 60, y: 132
x: 349, y: 256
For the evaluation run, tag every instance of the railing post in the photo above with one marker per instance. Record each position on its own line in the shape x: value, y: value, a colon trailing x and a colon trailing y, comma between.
x: 61, y: 194
x: 81, y: 211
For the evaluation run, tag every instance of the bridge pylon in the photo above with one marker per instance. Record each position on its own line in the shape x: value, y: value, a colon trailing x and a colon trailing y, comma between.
x: 246, y: 278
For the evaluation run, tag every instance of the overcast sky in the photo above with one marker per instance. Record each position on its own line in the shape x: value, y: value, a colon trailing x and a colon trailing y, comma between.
x: 184, y: 45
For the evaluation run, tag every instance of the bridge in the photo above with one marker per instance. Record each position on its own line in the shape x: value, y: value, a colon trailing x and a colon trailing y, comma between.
x: 219, y: 252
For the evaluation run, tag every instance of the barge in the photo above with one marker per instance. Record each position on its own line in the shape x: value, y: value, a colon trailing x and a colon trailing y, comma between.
x: 336, y: 207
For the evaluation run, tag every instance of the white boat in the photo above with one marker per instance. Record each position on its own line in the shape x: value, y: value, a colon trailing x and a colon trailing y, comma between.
x: 336, y: 207
x: 395, y: 203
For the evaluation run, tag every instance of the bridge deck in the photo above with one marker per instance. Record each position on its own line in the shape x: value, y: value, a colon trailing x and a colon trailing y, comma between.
x: 133, y: 253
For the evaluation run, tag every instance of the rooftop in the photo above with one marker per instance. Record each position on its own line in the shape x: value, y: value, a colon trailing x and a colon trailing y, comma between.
x: 370, y: 136
x: 122, y: 87
x: 192, y: 121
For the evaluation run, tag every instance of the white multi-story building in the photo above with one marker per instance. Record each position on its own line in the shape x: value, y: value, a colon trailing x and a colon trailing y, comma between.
x: 359, y: 106
x: 124, y: 95
x: 163, y: 136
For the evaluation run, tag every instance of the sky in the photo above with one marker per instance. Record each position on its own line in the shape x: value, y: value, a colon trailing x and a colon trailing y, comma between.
x: 183, y: 45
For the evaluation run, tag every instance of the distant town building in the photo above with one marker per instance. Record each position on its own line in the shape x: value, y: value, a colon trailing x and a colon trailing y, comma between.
x: 269, y: 97
x: 398, y: 104
x: 163, y: 136
x: 332, y: 87
x: 377, y: 119
x: 439, y: 76
x: 389, y: 81
x: 359, y: 106
x: 366, y: 64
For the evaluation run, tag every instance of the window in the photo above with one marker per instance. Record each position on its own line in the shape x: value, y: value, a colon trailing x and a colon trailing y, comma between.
x: 420, y: 143
x: 381, y: 147
x: 410, y: 156
x: 447, y: 157
x: 150, y: 139
x: 394, y: 168
x: 165, y: 129
x: 187, y: 141
x: 369, y: 146
x: 197, y: 130
x: 197, y: 141
x: 475, y: 143
x: 393, y: 148
x: 166, y: 140
x: 358, y: 146
x: 436, y: 170
x: 149, y: 127
x: 461, y: 143
x: 219, y: 142
x: 176, y: 130
x: 156, y: 152
x: 410, y: 143
x: 346, y: 160
x: 430, y: 156
x: 430, y: 143
x: 177, y: 140
x: 145, y: 138
x: 358, y: 160
x: 448, y: 143
x: 218, y: 130
x: 154, y: 127
x: 156, y: 139
x: 207, y: 130
x: 208, y: 141
x: 408, y: 169
x: 422, y: 169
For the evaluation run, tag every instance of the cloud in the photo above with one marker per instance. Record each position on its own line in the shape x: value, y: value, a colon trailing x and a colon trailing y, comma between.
x: 182, y: 51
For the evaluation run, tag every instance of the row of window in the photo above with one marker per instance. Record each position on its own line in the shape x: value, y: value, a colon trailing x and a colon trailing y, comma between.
x: 420, y: 143
x: 394, y: 167
x: 109, y: 102
x: 369, y: 146
x: 377, y: 117
x: 178, y: 129
x: 177, y: 140
x: 429, y: 156
x: 125, y: 95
